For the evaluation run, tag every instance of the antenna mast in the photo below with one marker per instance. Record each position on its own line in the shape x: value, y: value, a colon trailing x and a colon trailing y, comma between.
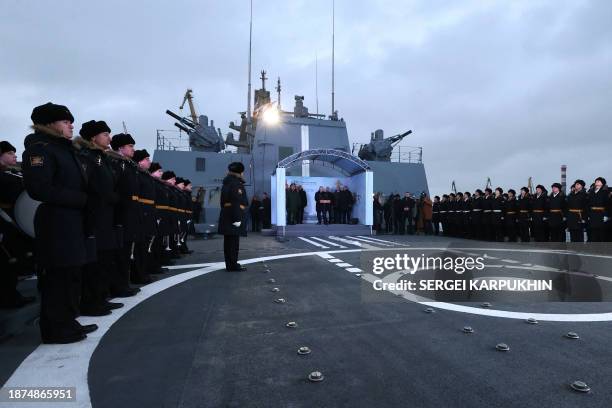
x: 250, y: 49
x: 278, y: 91
x: 333, y: 53
x: 317, y: 81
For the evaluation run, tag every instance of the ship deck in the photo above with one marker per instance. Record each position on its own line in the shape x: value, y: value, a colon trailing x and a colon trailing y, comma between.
x: 203, y: 337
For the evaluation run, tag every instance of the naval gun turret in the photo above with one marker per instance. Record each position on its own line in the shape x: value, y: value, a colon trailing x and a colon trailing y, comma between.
x: 379, y: 148
x: 202, y: 136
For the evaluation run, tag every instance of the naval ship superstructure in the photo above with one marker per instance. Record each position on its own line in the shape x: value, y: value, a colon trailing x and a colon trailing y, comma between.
x: 271, y: 135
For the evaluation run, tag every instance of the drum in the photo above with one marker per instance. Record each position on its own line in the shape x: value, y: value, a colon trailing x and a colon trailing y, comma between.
x: 25, y: 210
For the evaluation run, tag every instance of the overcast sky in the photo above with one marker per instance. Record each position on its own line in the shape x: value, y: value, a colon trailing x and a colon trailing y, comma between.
x: 499, y: 89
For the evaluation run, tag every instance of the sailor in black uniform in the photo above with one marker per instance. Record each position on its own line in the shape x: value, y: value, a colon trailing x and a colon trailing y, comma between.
x: 510, y: 215
x: 15, y: 247
x: 146, y: 197
x: 556, y: 213
x: 127, y: 213
x: 539, y: 214
x: 53, y: 175
x: 598, y: 216
x: 234, y: 203
x: 99, y: 218
x: 497, y: 215
x: 524, y: 215
x: 435, y: 216
x: 576, y: 211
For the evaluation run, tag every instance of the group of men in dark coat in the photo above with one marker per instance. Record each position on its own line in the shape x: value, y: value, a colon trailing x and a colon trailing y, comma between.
x: 334, y: 207
x: 402, y: 215
x: 261, y: 212
x: 108, y: 218
x: 541, y: 217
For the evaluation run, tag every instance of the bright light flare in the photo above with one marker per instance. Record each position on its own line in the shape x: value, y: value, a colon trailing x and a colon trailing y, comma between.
x: 271, y: 115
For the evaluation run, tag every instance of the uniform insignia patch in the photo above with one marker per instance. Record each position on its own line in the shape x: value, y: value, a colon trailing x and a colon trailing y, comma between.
x: 99, y: 160
x: 36, y: 161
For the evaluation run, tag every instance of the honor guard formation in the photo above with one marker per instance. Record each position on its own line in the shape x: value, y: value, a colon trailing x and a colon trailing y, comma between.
x: 503, y: 216
x: 107, y: 218
x: 541, y: 217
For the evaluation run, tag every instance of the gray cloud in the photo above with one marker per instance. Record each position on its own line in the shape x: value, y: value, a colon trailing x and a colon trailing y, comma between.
x: 505, y: 90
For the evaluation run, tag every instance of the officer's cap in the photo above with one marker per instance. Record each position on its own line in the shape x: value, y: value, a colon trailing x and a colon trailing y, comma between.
x: 49, y: 113
x: 122, y: 139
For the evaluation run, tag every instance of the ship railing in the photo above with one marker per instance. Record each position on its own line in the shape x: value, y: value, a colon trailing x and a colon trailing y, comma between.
x: 407, y: 154
x: 173, y: 140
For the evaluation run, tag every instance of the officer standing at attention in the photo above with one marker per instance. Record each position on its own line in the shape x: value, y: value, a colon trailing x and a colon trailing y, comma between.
x: 556, y: 210
x: 576, y: 211
x: 53, y: 175
x: 99, y: 218
x: 234, y: 203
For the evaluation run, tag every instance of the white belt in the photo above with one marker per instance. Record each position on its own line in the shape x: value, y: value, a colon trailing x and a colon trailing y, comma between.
x: 477, y: 209
x: 496, y: 210
x: 487, y: 210
x: 466, y: 211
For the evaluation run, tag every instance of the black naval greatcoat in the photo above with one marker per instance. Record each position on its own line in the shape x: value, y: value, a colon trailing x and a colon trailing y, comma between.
x: 147, y: 199
x: 53, y: 175
x: 510, y: 217
x: 16, y: 242
x: 16, y: 248
x: 477, y: 217
x: 576, y: 214
x: 539, y: 212
x: 100, y: 211
x: 598, y: 202
x: 127, y: 210
x: 162, y: 207
x: 234, y: 203
x: 524, y: 217
x: 556, y: 212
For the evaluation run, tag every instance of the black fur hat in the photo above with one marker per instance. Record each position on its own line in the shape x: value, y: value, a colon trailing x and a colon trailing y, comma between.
x: 603, y: 180
x: 558, y: 185
x: 236, y: 167
x: 154, y: 167
x: 6, y: 147
x: 140, y: 155
x: 49, y: 113
x: 168, y: 174
x: 122, y: 139
x: 92, y: 128
x: 581, y: 182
